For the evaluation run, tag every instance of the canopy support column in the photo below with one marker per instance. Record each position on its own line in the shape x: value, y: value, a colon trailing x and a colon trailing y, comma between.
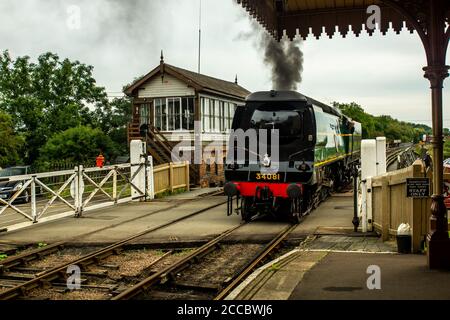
x: 438, y: 243
x: 436, y: 72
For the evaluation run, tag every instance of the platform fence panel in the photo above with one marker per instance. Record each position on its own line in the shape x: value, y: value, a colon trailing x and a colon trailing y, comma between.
x: 49, y: 196
x: 391, y: 206
x: 171, y: 177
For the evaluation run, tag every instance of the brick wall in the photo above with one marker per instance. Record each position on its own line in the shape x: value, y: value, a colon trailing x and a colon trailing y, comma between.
x: 211, y: 172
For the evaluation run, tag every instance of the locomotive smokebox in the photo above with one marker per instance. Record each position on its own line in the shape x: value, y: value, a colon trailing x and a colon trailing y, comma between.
x: 230, y: 189
x: 294, y: 191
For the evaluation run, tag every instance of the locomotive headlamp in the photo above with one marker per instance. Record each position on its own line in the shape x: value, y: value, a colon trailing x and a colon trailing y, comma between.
x: 266, y: 161
x: 230, y: 189
x: 294, y: 191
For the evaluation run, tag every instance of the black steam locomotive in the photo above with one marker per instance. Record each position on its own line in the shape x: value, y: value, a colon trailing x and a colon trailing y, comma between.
x: 287, y: 153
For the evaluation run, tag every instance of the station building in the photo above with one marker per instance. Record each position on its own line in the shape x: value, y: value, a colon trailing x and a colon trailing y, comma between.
x: 168, y: 101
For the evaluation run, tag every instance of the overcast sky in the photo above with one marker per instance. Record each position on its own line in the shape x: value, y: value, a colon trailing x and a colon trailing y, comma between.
x: 122, y: 39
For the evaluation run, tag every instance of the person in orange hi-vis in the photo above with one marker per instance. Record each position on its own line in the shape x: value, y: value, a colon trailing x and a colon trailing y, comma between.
x: 100, y: 161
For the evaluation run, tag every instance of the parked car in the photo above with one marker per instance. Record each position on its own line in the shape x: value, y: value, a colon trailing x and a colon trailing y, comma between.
x: 9, y: 188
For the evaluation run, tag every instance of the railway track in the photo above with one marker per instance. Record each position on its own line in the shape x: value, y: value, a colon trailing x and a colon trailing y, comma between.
x: 393, y: 154
x: 209, y: 272
x: 156, y: 274
x: 206, y: 273
x: 20, y: 279
x: 31, y: 255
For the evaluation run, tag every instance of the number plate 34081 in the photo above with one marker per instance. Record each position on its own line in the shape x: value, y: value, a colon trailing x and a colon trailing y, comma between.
x: 268, y: 177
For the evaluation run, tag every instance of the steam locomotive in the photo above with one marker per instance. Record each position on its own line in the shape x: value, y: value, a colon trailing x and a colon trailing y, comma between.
x: 292, y: 153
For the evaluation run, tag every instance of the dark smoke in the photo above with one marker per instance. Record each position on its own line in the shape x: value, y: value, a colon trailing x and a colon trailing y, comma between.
x: 285, y: 60
x: 284, y: 57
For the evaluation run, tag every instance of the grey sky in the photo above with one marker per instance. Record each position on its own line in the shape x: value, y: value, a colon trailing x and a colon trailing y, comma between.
x: 122, y: 39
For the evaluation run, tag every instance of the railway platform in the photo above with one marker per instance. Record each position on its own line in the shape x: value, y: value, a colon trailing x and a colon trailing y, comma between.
x: 339, y: 275
x: 333, y: 263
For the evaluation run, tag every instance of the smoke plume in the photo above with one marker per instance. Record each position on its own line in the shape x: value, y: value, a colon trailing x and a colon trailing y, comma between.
x: 284, y: 58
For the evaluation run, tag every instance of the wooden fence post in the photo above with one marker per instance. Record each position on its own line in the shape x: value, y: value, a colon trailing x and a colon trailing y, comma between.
x: 171, y: 176
x: 186, y: 174
x: 114, y: 191
x: 385, y: 208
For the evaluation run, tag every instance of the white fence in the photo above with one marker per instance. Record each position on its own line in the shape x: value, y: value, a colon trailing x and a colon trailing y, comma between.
x: 53, y: 195
x: 35, y: 198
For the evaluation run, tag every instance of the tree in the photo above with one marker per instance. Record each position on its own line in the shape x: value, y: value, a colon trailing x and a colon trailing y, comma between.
x: 78, y: 145
x: 446, y: 132
x: 113, y: 119
x: 47, y: 97
x: 384, y: 125
x: 10, y: 143
x: 356, y: 112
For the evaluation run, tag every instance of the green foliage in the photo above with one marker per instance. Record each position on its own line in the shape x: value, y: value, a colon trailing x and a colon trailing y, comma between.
x: 375, y: 126
x: 3, y: 257
x: 47, y: 97
x: 78, y: 144
x: 168, y: 193
x: 183, y: 251
x: 42, y: 245
x: 113, y: 119
x: 274, y: 267
x: 447, y: 149
x: 10, y: 143
x: 160, y: 252
x: 40, y: 100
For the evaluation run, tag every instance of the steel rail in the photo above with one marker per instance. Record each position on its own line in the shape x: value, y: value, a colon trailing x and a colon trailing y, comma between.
x: 256, y: 261
x: 92, y: 258
x: 164, y: 274
x: 393, y: 155
x: 23, y: 258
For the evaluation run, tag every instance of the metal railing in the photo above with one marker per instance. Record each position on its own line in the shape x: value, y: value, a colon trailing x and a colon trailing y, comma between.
x: 47, y: 196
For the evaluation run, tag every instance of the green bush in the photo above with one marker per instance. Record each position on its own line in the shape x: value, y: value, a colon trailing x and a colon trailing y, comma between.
x: 78, y: 145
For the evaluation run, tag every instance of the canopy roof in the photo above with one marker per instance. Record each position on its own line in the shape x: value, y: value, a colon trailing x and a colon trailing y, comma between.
x: 289, y: 15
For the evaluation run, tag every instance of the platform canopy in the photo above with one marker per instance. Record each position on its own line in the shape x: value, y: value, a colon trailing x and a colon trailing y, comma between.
x: 304, y: 17
x: 429, y: 18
